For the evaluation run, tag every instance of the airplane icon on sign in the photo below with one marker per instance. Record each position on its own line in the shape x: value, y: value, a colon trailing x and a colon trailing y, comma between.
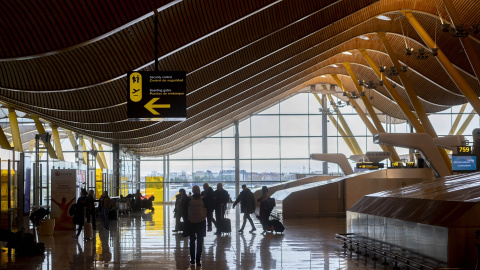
x: 135, y: 91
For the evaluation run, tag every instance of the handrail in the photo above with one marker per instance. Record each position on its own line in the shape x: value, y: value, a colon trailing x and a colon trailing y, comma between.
x: 410, y: 263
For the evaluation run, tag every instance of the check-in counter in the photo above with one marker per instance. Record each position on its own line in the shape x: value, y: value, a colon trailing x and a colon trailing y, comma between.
x: 332, y: 197
x: 436, y: 219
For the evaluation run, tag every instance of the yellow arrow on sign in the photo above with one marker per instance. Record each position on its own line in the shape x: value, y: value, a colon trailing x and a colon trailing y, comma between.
x: 151, y: 105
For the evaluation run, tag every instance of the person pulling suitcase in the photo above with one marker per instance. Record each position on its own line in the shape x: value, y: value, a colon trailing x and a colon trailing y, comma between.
x: 220, y: 197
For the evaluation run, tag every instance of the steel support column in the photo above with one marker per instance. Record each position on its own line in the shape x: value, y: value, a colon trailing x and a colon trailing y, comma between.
x: 348, y: 132
x: 324, y: 134
x: 467, y: 44
x: 371, y: 111
x: 41, y: 130
x: 454, y: 74
x: 457, y: 119
x: 411, y: 117
x: 339, y: 128
x: 237, y: 159
x: 17, y: 141
x: 56, y: 141
x: 71, y: 138
x: 4, y: 141
x: 116, y: 169
x: 362, y: 114
x: 98, y: 158
x: 466, y: 123
x: 102, y: 155
x: 84, y: 148
x: 417, y: 105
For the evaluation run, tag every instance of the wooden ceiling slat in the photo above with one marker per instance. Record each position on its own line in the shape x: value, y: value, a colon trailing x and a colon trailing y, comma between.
x: 69, y: 37
x: 265, y: 68
x: 13, y: 16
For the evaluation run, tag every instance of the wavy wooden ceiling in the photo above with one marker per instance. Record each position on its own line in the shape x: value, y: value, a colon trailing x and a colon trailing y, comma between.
x: 66, y: 61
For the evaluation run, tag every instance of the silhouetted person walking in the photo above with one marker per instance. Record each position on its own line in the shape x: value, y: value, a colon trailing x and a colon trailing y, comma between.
x: 221, y: 199
x: 247, y: 206
x: 197, y: 214
x: 80, y: 211
x: 207, y: 193
x: 106, y: 204
x: 91, y: 209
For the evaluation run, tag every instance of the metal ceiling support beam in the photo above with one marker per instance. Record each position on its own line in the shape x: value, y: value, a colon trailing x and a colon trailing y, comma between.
x: 32, y: 145
x: 462, y: 129
x: 457, y: 119
x: 412, y: 95
x: 56, y: 141
x: 41, y: 130
x: 4, y: 141
x: 346, y: 128
x: 411, y: 117
x: 339, y: 128
x: 102, y: 155
x: 98, y: 158
x: 457, y: 78
x: 17, y: 141
x: 371, y: 111
x: 466, y: 41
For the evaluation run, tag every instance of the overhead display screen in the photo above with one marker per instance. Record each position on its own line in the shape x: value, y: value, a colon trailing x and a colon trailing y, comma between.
x: 462, y: 163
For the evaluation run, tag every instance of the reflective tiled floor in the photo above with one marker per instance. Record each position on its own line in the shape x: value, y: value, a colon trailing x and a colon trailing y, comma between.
x: 145, y: 241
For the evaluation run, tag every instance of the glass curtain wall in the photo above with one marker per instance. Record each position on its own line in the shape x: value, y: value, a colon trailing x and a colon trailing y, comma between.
x: 275, y: 146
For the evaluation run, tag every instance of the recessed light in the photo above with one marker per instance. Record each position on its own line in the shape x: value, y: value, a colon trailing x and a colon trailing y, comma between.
x: 364, y: 37
x: 383, y: 17
x: 323, y: 76
x: 347, y: 53
x: 334, y: 65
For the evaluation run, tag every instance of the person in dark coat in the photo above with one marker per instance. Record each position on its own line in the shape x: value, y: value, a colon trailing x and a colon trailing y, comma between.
x: 264, y: 209
x: 91, y: 209
x: 207, y: 193
x: 197, y: 214
x: 221, y: 198
x: 179, y: 208
x: 247, y: 206
x: 80, y: 211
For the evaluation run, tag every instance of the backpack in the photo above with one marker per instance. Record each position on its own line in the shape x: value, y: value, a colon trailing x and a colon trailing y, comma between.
x: 72, y: 209
x: 270, y: 204
x: 196, y: 210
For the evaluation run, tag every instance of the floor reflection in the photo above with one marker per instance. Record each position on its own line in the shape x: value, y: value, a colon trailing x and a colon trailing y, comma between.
x: 145, y: 240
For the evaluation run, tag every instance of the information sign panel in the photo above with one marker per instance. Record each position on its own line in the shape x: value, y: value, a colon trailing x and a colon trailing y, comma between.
x: 464, y: 150
x: 156, y: 96
x: 463, y: 163
x: 369, y: 165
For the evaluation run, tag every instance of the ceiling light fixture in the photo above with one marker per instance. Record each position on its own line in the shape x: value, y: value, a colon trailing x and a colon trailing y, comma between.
x: 384, y: 18
x: 392, y: 71
x: 421, y: 54
x: 334, y: 65
x: 370, y: 84
x: 347, y: 53
x: 364, y: 37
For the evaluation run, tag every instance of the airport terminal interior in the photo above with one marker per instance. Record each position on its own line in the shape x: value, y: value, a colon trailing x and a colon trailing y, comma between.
x: 361, y: 118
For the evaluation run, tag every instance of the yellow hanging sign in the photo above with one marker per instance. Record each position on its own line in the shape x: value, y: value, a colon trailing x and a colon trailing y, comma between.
x: 135, y: 86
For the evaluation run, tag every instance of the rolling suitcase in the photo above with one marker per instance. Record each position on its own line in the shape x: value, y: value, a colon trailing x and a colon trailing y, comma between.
x: 277, y: 226
x: 87, y: 231
x: 225, y: 225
